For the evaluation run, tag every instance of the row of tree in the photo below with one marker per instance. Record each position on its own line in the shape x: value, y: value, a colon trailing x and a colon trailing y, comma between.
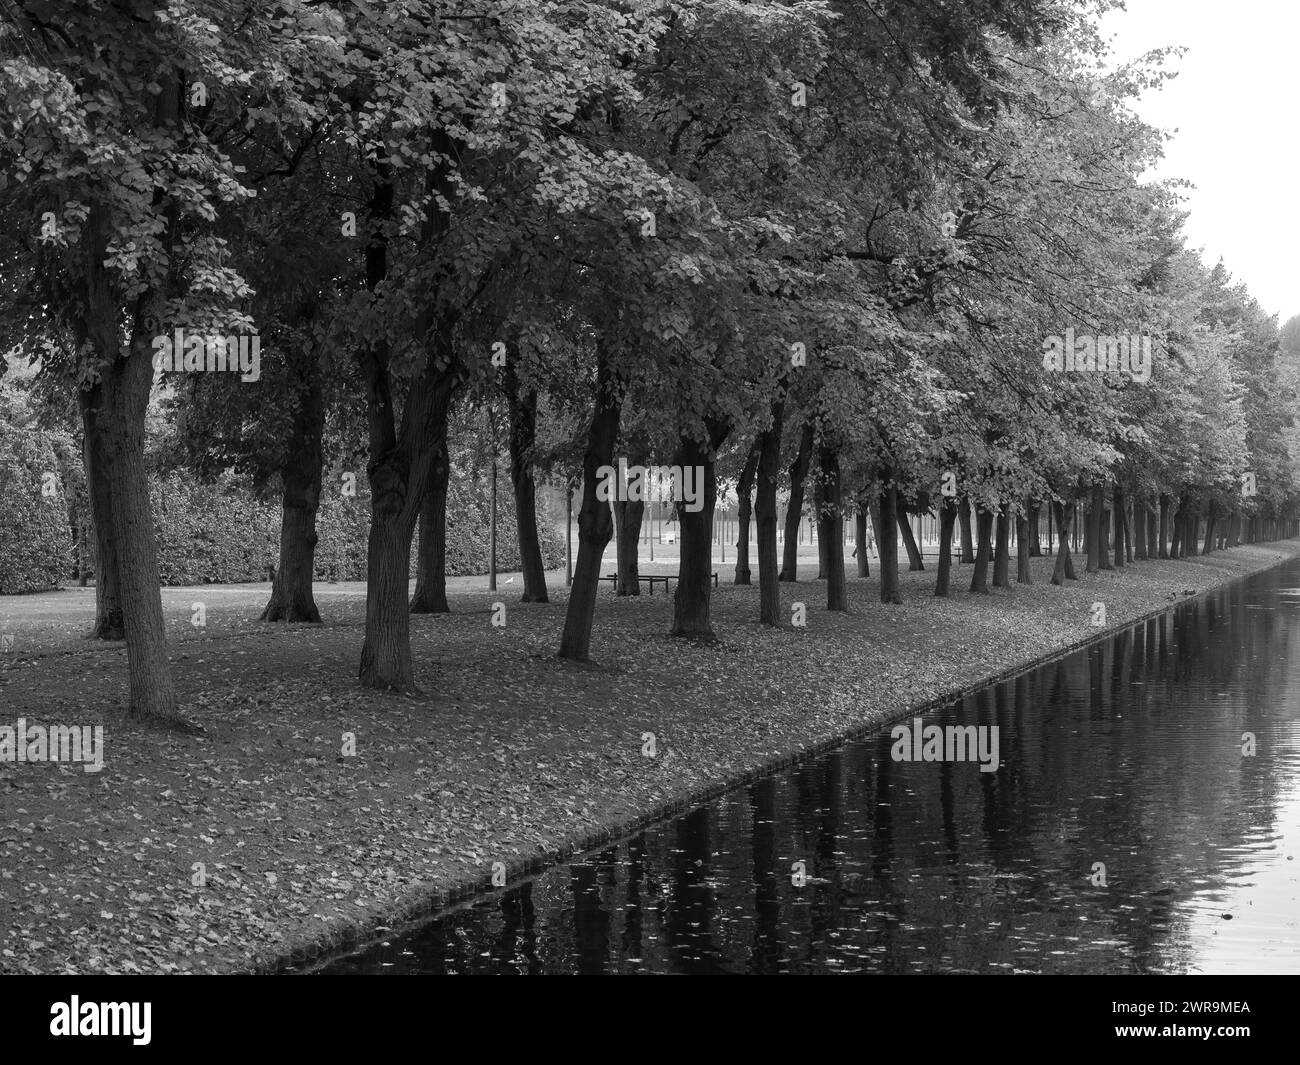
x: 829, y: 237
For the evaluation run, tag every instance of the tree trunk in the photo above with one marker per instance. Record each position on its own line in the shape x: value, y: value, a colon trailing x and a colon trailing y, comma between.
x: 967, y: 542
x: 1163, y: 550
x: 401, y: 457
x: 116, y: 461
x: 1035, y: 545
x: 1178, y: 527
x: 628, y: 517
x: 1001, y: 553
x: 291, y: 591
x: 400, y: 471
x: 126, y: 385
x: 1025, y: 544
x: 914, y: 560
x: 1209, y: 528
x: 980, y: 578
x: 116, y: 457
x: 83, y: 550
x: 794, y: 511
x: 815, y: 525
x: 1120, y: 516
x: 523, y: 437
x: 769, y: 471
x: 1070, y: 575
x: 830, y: 530
x: 1104, y: 553
x: 887, y: 539
x: 691, y: 618
x: 386, y: 650
x: 430, y: 595
x: 109, y: 624
x: 1001, y: 550
x: 860, y: 536
x: 947, y: 518
x: 595, y: 523
x: 873, y: 516
x: 1094, y: 527
x: 1138, y: 532
x: 744, y: 507
x: 1063, y: 570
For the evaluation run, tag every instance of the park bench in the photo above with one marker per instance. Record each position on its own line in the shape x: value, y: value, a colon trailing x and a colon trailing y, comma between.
x: 651, y: 578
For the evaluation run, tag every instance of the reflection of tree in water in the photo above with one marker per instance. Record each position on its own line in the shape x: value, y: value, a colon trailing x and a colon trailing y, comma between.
x: 824, y: 907
x: 997, y: 815
x: 817, y: 836
x: 691, y: 907
x: 517, y: 943
x: 765, y: 952
x: 884, y: 861
x: 632, y: 924
x: 591, y: 930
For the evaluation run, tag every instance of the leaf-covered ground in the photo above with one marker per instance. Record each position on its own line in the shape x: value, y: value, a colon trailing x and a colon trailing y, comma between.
x: 510, y: 756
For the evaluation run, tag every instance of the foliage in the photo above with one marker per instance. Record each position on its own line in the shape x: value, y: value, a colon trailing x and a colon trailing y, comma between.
x: 220, y: 533
x: 35, y: 537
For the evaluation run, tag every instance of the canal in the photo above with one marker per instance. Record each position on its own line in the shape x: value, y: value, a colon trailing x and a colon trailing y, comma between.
x: 1128, y: 829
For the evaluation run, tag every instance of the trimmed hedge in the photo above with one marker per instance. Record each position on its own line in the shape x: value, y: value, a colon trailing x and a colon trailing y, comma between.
x: 219, y: 534
x: 211, y: 533
x: 469, y: 512
x: 35, y: 535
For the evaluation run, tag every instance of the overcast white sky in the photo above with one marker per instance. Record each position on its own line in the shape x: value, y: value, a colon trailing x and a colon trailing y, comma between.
x: 1236, y: 106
